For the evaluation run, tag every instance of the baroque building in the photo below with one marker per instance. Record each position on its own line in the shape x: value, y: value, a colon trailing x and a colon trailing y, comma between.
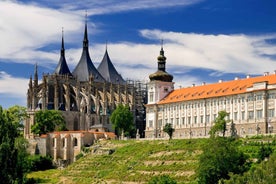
x: 250, y: 102
x: 87, y: 96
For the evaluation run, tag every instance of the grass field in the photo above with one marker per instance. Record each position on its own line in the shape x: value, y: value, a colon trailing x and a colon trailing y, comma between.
x: 137, y: 162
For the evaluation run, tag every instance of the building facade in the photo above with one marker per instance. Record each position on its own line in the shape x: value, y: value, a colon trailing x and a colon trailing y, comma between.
x: 250, y: 102
x: 63, y: 147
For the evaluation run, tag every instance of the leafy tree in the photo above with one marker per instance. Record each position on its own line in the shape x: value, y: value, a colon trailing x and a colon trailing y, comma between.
x: 17, y: 115
x: 220, y: 124
x: 12, y: 151
x: 169, y: 129
x: 220, y: 157
x: 263, y: 152
x: 122, y: 119
x: 48, y: 121
x: 163, y: 179
x: 233, y: 130
x: 262, y: 173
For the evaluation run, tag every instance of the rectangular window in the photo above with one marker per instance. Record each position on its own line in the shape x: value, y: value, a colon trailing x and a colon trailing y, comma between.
x: 214, y: 117
x: 207, y: 118
x: 151, y: 97
x: 250, y: 98
x: 150, y: 123
x: 235, y: 116
x: 177, y: 121
x: 189, y: 120
x: 270, y: 113
x: 243, y: 115
x: 195, y: 119
x: 201, y: 119
x: 250, y: 114
x: 160, y: 123
x: 183, y: 120
x: 259, y: 97
x: 259, y: 114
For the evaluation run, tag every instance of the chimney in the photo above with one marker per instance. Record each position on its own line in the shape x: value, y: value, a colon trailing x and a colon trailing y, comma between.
x: 193, y: 85
x: 266, y: 73
x: 236, y: 78
x: 248, y: 76
x: 203, y: 83
x: 220, y: 81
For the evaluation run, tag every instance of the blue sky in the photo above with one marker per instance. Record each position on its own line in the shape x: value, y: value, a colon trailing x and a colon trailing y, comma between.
x: 204, y: 40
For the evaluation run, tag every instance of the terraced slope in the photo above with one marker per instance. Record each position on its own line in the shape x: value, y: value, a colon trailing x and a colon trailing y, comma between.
x: 132, y: 162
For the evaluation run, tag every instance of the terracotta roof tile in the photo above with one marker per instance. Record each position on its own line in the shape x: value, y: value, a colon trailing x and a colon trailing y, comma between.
x: 225, y: 88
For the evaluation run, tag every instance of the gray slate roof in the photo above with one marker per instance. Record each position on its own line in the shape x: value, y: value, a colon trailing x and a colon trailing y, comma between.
x: 85, y: 67
x: 108, y: 71
x: 62, y: 67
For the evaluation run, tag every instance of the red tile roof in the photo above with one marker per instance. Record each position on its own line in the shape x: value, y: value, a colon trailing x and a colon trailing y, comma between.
x: 226, y: 88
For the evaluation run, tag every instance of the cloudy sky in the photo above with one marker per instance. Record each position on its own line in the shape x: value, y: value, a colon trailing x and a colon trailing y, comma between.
x: 204, y: 40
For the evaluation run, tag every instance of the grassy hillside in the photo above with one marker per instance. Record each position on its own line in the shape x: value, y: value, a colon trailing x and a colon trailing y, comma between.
x: 131, y: 162
x: 137, y: 162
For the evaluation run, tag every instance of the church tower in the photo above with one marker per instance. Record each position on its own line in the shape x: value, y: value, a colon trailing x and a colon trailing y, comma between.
x: 160, y: 84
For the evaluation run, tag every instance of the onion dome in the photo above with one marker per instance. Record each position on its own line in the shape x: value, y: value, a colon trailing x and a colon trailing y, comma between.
x: 161, y: 74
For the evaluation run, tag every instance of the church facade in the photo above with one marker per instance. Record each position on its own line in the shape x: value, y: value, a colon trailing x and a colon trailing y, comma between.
x: 87, y: 96
x: 250, y: 102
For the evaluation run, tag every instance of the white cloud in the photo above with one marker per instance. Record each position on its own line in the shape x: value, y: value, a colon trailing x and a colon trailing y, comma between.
x: 96, y: 7
x: 26, y: 28
x: 13, y: 86
x: 224, y: 53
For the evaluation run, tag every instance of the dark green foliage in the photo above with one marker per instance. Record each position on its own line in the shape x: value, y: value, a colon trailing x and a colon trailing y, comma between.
x: 233, y: 130
x: 163, y: 179
x: 264, y: 152
x: 122, y: 120
x: 48, y: 121
x: 40, y: 163
x: 169, y: 129
x: 220, y: 124
x: 12, y: 150
x: 220, y: 157
x: 263, y: 173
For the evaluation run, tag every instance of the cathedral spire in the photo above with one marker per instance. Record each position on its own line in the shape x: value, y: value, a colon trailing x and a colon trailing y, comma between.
x: 85, y: 38
x: 35, y: 75
x: 62, y: 67
x: 85, y: 68
x: 62, y: 50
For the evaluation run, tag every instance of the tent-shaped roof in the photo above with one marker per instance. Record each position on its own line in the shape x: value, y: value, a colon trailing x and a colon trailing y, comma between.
x: 108, y: 71
x: 85, y: 68
x: 62, y: 67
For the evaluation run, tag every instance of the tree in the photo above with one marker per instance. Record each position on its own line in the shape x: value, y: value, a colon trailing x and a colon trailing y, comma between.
x: 17, y: 115
x: 48, y: 121
x: 12, y: 152
x: 220, y: 124
x: 169, y: 129
x: 233, y: 130
x: 122, y: 119
x: 220, y: 157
